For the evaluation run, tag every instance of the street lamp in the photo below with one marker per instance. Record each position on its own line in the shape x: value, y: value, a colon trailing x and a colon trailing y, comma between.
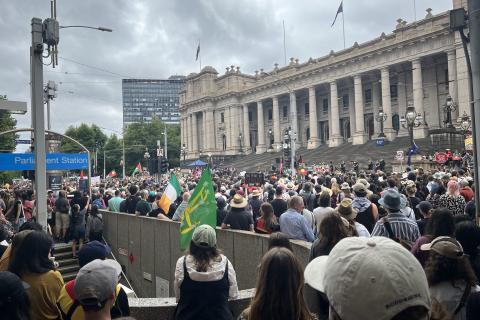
x: 240, y: 140
x: 411, y: 120
x: 270, y: 133
x: 147, y: 157
x: 381, y: 117
x: 183, y: 152
x: 465, y: 122
x: 449, y: 107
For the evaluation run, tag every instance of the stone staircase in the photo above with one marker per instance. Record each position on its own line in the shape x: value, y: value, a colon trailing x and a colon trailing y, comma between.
x: 346, y: 152
x: 68, y: 265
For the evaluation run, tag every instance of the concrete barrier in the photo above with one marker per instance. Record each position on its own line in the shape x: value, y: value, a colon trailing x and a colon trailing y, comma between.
x: 148, y: 249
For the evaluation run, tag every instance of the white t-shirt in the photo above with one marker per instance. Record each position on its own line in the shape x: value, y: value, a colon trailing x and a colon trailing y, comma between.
x: 320, y: 213
x: 215, y: 272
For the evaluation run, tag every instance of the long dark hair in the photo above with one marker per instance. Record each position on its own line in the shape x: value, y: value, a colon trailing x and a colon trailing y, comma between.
x: 441, y: 223
x: 439, y: 268
x: 332, y: 230
x: 32, y: 254
x: 203, y: 256
x: 267, y: 213
x: 16, y: 306
x: 279, y: 289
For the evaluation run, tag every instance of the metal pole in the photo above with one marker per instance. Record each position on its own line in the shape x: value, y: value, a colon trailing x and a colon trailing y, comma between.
x: 165, y: 142
x: 293, y: 111
x: 474, y: 27
x: 48, y: 114
x: 104, y: 165
x: 38, y: 120
x: 123, y: 157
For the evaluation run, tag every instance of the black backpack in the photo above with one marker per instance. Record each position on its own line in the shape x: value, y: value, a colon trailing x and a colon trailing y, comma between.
x: 131, y: 204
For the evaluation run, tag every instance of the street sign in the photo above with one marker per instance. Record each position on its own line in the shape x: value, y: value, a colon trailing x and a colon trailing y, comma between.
x: 54, y: 161
x: 380, y: 142
x: 55, y: 182
x: 159, y: 152
x: 254, y: 178
x: 399, y: 156
x: 23, y: 142
x: 441, y: 157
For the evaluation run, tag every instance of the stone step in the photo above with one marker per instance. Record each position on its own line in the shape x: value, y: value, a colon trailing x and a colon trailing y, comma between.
x: 72, y: 268
x: 63, y: 255
x: 67, y: 262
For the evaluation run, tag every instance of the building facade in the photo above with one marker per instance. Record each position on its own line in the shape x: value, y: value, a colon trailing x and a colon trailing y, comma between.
x: 333, y: 99
x: 144, y: 99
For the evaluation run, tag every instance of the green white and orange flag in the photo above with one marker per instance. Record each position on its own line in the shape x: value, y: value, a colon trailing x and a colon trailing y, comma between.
x: 201, y: 209
x: 172, y: 192
x: 137, y: 169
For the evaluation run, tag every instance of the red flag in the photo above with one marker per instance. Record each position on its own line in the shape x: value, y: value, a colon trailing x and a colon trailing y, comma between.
x: 112, y: 174
x: 81, y: 175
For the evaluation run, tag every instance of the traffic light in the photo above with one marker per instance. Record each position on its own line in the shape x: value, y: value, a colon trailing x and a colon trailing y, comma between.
x: 164, y: 165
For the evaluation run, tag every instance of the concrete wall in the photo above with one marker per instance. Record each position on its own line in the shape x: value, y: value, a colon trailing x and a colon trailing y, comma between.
x: 148, y: 249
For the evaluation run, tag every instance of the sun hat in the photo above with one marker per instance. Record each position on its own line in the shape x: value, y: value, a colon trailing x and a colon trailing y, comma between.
x: 391, y: 275
x: 345, y: 186
x: 364, y: 182
x: 238, y: 201
x: 204, y: 236
x: 445, y: 246
x: 359, y: 188
x: 256, y: 193
x: 290, y: 186
x: 96, y: 282
x: 345, y: 209
x: 391, y: 200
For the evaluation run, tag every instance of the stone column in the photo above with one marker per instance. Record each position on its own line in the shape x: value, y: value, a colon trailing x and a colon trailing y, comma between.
x: 463, y: 79
x: 335, y: 139
x: 228, y: 128
x: 452, y: 80
x: 313, y: 142
x: 210, y: 130
x: 433, y: 105
x: 235, y: 127
x: 246, y: 129
x: 261, y: 147
x: 387, y: 104
x: 360, y: 136
x: 376, y: 105
x: 277, y: 135
x: 402, y: 100
x: 204, y: 134
x: 294, y: 118
x: 351, y: 111
x: 189, y: 135
x: 417, y: 82
x: 194, y: 135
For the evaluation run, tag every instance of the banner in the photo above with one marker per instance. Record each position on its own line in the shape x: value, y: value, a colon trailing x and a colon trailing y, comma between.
x: 54, y: 161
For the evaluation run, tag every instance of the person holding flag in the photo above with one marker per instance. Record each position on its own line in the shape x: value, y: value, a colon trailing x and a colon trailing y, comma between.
x: 138, y: 169
x: 172, y: 192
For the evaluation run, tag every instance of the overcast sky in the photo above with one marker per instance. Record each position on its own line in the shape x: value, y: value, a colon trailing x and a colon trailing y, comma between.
x: 158, y: 38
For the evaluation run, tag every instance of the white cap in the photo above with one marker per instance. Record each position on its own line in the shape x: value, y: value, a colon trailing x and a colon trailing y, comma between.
x: 369, y: 278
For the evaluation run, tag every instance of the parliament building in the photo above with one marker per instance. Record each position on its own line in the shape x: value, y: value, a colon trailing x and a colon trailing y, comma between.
x: 338, y: 98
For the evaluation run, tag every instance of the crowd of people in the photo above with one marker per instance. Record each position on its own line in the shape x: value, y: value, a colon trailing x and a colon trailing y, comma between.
x: 409, y: 240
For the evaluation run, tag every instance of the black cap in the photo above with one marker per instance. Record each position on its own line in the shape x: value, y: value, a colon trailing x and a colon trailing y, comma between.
x: 424, y: 206
x: 91, y: 251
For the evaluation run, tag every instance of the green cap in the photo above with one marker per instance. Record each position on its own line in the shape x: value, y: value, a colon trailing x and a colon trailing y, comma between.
x: 205, y: 236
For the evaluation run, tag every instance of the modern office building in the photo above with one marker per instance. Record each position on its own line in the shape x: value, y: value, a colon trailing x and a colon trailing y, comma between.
x: 145, y: 99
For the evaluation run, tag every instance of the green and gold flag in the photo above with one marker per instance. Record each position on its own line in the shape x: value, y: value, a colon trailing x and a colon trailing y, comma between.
x: 201, y: 209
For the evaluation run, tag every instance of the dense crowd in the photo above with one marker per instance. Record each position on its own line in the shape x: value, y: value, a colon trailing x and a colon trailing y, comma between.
x: 409, y: 240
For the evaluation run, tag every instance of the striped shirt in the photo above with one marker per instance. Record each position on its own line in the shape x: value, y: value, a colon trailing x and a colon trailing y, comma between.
x: 403, y: 228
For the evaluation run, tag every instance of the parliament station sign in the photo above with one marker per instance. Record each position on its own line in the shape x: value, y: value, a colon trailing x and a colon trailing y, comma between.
x: 54, y: 161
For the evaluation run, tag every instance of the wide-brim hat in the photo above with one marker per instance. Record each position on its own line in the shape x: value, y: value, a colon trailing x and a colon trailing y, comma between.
x: 345, y: 209
x: 290, y: 186
x: 364, y: 182
x: 238, y: 201
x: 256, y: 193
x: 391, y: 200
x: 345, y: 186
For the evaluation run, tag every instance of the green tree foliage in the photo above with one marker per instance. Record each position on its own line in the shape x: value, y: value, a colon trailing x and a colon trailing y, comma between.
x: 7, y: 141
x: 113, y: 154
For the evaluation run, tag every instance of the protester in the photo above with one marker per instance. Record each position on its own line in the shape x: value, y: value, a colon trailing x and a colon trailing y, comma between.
x: 14, y: 301
x: 468, y: 234
x: 94, y: 228
x: 238, y: 218
x: 323, y: 209
x: 143, y: 207
x: 395, y: 225
x: 450, y: 276
x: 452, y: 199
x: 366, y: 211
x: 129, y: 205
x: 77, y: 227
x: 114, y: 203
x: 368, y: 278
x: 66, y: 301
x: 332, y: 229
x: 62, y: 217
x: 346, y: 211
x: 255, y: 203
x: 279, y: 239
x: 278, y: 203
x: 425, y: 209
x: 293, y: 223
x: 178, y: 215
x: 465, y: 191
x: 31, y: 262
x: 221, y: 210
x: 267, y: 222
x: 95, y: 288
x: 279, y: 289
x: 204, y: 279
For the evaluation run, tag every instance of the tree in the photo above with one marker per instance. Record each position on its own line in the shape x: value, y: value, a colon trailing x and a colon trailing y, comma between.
x: 113, y: 154
x: 7, y: 141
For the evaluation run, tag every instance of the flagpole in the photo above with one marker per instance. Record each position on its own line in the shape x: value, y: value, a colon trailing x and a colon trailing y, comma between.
x: 415, y: 10
x: 284, y: 44
x: 343, y: 26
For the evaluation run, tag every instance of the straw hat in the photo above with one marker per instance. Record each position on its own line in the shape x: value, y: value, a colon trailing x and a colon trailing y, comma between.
x: 238, y: 201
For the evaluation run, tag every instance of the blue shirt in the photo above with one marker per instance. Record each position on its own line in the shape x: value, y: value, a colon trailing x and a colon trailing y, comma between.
x: 295, y: 226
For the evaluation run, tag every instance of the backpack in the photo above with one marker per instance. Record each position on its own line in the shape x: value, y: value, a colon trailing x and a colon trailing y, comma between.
x: 131, y: 203
x: 97, y: 224
x: 405, y: 243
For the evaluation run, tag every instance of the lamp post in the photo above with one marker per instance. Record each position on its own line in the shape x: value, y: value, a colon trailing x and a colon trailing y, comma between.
x: 411, y: 120
x: 270, y: 133
x: 465, y: 122
x: 381, y: 117
x: 240, y: 140
x: 449, y: 107
x: 146, y: 155
x: 183, y: 152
